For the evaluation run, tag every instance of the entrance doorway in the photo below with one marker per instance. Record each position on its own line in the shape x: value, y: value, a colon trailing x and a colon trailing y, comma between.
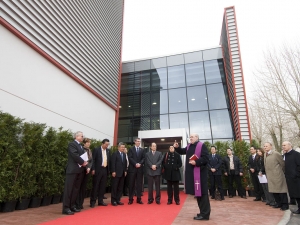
x: 163, y: 139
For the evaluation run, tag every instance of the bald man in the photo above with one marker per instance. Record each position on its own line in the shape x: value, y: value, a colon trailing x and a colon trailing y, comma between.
x: 292, y: 172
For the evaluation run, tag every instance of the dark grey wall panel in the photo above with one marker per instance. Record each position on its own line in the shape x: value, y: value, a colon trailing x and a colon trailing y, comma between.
x: 83, y: 36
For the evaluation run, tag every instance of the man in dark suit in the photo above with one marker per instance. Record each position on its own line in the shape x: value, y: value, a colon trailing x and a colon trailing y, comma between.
x: 215, y: 172
x: 252, y: 161
x: 136, y: 157
x: 118, y: 170
x: 74, y: 174
x: 234, y: 170
x: 153, y: 165
x: 100, y: 171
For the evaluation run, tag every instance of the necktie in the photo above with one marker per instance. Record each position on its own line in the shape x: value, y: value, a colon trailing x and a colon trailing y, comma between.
x: 213, y: 156
x: 104, y: 158
x: 153, y: 152
x: 137, y: 150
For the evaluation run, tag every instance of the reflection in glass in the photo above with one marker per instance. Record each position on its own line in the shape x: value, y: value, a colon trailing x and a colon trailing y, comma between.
x: 199, y: 124
x: 216, y: 96
x: 125, y: 128
x: 126, y: 106
x: 177, y: 100
x: 194, y: 74
x: 197, y: 99
x: 159, y: 79
x: 176, y: 77
x: 159, y: 102
x: 179, y: 120
x: 159, y: 122
x: 214, y: 72
x: 145, y: 81
x: 127, y: 83
x: 220, y: 124
x: 145, y: 103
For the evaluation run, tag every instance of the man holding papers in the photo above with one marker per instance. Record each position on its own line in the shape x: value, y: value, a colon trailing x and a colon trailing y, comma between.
x: 74, y: 174
x: 196, y: 173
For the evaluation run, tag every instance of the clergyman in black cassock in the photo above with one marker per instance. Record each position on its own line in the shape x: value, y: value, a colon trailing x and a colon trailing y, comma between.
x: 203, y: 201
x: 292, y: 172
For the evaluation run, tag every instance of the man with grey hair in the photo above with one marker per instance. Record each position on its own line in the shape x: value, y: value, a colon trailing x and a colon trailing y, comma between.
x: 196, y: 173
x: 74, y: 174
x: 118, y: 171
x: 292, y: 172
x: 274, y: 166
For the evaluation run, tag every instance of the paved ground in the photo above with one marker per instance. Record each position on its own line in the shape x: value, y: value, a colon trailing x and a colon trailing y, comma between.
x: 295, y: 218
x: 230, y: 211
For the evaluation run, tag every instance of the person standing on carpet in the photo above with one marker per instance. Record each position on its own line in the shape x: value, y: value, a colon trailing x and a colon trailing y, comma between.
x: 74, y: 174
x: 136, y: 156
x: 153, y: 166
x: 118, y: 172
x: 86, y: 173
x: 196, y: 173
x: 100, y: 171
x: 171, y: 164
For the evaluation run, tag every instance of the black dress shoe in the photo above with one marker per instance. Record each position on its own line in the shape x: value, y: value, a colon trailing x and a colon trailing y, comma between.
x: 169, y: 203
x: 276, y: 206
x: 125, y: 194
x: 264, y: 200
x: 158, y: 202
x: 74, y: 209
x: 267, y: 203
x: 140, y: 202
x: 230, y: 196
x: 178, y: 203
x: 114, y: 204
x: 104, y: 197
x: 222, y: 198
x: 284, y: 208
x: 150, y: 202
x: 68, y: 212
x: 256, y: 199
x: 292, y: 203
x: 120, y: 203
x: 102, y: 204
x: 243, y: 196
x: 212, y: 197
x: 272, y: 204
x: 198, y: 217
x: 130, y: 202
x: 296, y: 212
x: 92, y: 205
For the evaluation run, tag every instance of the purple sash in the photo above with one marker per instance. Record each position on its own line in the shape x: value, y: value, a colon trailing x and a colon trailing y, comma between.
x: 197, y: 179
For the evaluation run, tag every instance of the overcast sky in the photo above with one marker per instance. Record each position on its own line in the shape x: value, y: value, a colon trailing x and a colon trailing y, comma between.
x: 163, y: 27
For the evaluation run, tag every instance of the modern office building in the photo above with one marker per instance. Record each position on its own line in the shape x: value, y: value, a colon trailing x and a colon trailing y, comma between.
x: 55, y: 59
x: 166, y: 98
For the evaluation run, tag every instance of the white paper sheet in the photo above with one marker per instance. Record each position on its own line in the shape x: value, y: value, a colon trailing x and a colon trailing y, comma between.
x: 85, y: 157
x: 262, y: 179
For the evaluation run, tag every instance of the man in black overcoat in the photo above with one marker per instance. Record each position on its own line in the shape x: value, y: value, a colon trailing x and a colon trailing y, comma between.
x: 203, y: 200
x: 215, y: 172
x: 100, y: 171
x: 74, y: 174
x: 252, y: 161
x: 292, y: 172
x: 118, y: 168
x: 136, y: 157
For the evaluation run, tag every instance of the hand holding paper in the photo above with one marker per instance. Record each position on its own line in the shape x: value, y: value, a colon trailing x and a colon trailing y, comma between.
x: 85, y: 158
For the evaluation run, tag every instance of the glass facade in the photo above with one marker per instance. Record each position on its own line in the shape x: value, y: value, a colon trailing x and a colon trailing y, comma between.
x: 180, y: 91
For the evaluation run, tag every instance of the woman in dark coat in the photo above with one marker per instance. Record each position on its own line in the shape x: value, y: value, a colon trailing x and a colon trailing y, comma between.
x: 80, y: 198
x: 171, y: 165
x: 260, y: 167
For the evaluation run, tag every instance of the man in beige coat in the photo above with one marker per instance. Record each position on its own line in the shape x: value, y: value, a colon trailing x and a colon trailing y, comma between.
x: 274, y: 166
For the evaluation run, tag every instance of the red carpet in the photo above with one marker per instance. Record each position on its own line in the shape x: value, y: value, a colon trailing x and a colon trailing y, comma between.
x: 127, y: 214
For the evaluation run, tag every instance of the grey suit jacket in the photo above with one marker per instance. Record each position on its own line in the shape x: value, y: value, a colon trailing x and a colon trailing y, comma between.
x: 155, y: 159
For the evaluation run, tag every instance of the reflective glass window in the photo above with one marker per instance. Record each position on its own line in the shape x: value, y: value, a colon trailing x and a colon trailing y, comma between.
x: 145, y: 103
x: 220, y: 124
x: 125, y: 108
x: 213, y: 71
x: 194, y: 74
x: 216, y: 96
x: 176, y: 77
x: 197, y: 99
x: 159, y: 102
x: 124, y: 128
x: 159, y: 79
x: 199, y: 124
x: 127, y: 83
x: 177, y: 100
x: 160, y: 122
x: 179, y: 120
x: 145, y: 81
